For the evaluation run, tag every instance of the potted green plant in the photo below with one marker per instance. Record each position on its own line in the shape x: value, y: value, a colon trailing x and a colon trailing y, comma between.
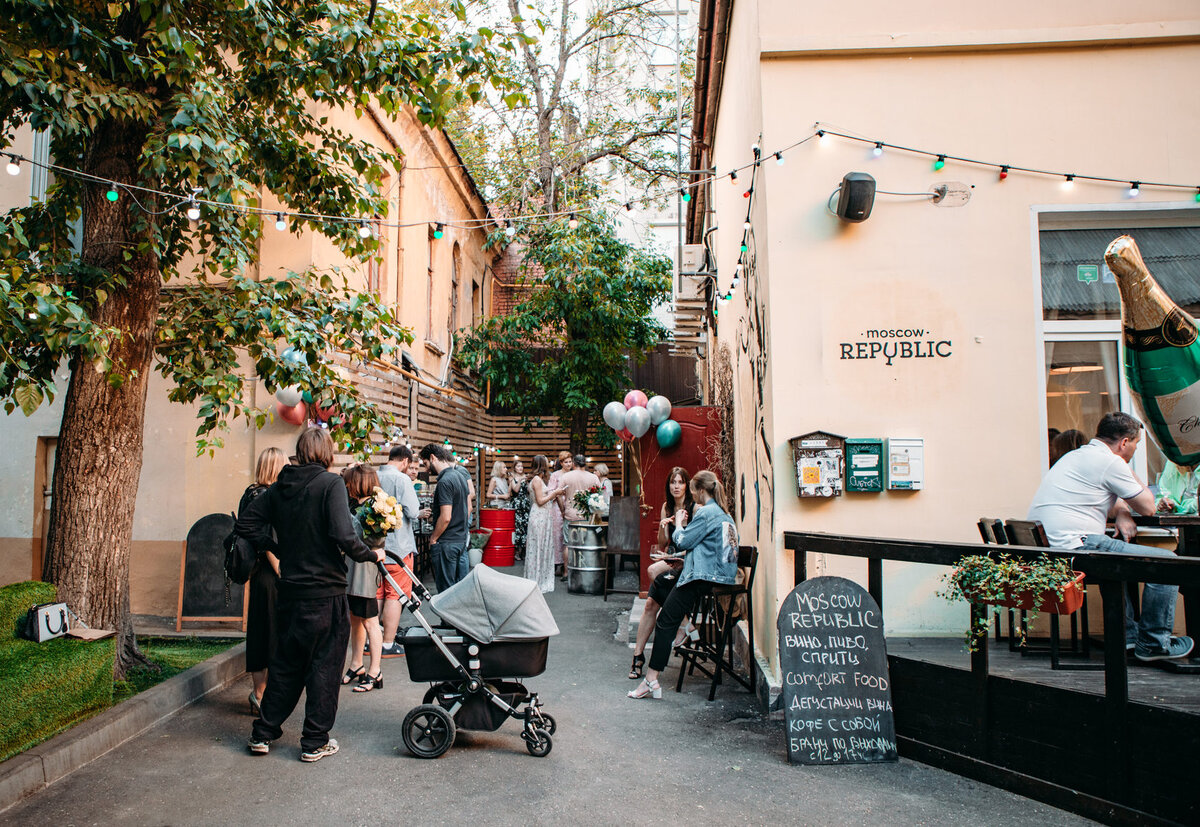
x: 1047, y: 584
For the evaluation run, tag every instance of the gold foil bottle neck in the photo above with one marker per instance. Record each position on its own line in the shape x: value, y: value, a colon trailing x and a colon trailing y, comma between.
x: 1147, y: 312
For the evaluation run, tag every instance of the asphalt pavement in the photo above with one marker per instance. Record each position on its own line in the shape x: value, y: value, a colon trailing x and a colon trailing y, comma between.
x: 614, y: 761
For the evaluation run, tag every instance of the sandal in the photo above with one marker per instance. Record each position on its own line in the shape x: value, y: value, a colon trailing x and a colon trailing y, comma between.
x: 369, y: 682
x: 353, y: 674
x: 685, y: 635
x: 646, y: 689
x: 635, y: 671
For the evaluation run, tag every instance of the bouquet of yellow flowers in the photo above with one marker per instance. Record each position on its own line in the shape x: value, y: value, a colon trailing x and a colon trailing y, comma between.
x: 380, y: 514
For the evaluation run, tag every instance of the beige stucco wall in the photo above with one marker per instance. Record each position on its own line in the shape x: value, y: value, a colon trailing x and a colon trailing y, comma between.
x: 177, y: 487
x: 968, y: 275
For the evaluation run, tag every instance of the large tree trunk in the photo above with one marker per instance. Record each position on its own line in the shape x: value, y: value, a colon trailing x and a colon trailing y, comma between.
x: 99, y: 458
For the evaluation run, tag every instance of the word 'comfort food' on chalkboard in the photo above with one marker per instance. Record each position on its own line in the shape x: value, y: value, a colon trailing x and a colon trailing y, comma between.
x: 836, y: 696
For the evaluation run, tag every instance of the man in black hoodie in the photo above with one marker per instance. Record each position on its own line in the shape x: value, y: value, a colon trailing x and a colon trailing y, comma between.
x: 310, y: 512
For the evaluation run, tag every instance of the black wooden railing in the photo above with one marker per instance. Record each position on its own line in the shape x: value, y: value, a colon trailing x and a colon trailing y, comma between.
x: 1110, y: 572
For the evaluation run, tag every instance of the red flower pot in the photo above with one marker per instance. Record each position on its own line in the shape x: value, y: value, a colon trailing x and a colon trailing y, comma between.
x: 1065, y: 601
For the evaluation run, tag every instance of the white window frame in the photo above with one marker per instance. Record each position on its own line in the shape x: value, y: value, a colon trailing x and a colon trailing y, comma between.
x: 1083, y: 216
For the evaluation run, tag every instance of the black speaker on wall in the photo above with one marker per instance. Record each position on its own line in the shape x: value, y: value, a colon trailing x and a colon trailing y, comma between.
x: 856, y: 196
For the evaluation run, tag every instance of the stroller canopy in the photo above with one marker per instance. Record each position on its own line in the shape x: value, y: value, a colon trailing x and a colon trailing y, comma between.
x: 490, y: 606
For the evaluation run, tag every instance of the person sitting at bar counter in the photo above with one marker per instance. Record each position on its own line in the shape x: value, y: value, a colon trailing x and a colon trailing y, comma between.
x: 1177, y: 487
x: 1080, y: 493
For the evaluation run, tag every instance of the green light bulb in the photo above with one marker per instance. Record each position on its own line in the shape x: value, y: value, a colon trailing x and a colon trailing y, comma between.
x: 939, y: 163
x: 112, y: 194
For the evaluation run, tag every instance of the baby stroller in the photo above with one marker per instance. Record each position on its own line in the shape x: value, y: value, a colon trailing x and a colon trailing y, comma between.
x: 499, y: 628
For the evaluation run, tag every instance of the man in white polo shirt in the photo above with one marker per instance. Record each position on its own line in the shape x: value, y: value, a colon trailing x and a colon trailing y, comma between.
x: 1077, y: 497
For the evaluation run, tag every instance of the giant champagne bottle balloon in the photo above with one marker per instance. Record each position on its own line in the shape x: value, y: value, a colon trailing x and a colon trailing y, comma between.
x: 1162, y: 355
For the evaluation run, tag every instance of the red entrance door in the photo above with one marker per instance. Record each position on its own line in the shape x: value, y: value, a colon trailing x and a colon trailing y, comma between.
x: 697, y: 450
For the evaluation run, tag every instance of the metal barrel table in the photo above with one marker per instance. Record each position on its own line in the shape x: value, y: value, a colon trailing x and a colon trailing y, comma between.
x: 585, y: 544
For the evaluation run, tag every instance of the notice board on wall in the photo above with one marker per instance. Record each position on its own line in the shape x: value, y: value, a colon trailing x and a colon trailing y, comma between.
x: 837, y: 699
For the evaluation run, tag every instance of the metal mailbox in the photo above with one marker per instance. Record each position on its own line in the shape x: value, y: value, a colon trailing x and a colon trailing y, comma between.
x: 820, y: 463
x: 864, y: 466
x: 905, y: 464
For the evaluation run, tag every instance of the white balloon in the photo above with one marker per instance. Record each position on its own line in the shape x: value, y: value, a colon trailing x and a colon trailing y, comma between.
x: 614, y: 415
x: 637, y: 420
x: 659, y: 408
x: 289, y: 396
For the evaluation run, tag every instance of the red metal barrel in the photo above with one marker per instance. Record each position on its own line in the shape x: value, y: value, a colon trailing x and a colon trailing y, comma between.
x: 499, y: 550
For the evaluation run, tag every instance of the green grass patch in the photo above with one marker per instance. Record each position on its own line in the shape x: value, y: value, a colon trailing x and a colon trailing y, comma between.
x: 171, y: 656
x: 48, y: 687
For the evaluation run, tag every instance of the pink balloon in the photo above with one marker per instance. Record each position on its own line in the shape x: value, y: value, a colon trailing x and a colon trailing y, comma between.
x: 635, y: 399
x: 625, y: 435
x: 294, y: 414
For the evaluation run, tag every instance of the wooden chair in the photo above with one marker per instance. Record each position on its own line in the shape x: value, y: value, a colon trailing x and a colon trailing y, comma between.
x: 993, y: 533
x: 623, y: 542
x: 714, y: 617
x: 1033, y: 533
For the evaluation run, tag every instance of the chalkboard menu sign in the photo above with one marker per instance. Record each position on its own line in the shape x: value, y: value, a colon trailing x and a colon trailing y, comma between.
x: 202, y: 575
x: 836, y: 696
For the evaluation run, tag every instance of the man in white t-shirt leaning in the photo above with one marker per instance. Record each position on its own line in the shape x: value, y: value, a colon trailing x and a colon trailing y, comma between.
x: 1074, y: 502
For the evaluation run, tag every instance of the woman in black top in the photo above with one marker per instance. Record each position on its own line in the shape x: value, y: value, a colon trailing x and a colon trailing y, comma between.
x: 260, y: 611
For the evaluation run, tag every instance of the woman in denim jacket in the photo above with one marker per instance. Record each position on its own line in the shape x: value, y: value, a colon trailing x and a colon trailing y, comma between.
x: 710, y: 545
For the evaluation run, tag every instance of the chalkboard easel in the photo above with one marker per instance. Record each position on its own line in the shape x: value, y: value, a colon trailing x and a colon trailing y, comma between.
x: 202, y: 576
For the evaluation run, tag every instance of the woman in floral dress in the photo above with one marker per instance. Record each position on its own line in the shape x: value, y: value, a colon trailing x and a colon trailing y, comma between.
x: 565, y: 463
x: 539, y: 544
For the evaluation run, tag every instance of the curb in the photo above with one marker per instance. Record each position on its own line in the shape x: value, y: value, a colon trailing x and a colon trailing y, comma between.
x: 38, y: 767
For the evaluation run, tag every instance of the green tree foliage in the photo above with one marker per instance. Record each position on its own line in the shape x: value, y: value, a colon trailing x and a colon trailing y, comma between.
x: 216, y: 101
x: 597, y: 102
x: 564, y: 351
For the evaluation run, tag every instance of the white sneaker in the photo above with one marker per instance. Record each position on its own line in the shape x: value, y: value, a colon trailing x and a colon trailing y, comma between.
x: 328, y: 748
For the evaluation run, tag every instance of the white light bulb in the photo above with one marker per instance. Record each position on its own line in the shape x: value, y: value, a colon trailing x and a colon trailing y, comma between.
x: 510, y: 231
x: 193, y: 212
x: 364, y: 230
x: 779, y: 158
x: 736, y: 281
x: 280, y: 222
x: 13, y: 167
x: 1135, y: 189
x: 745, y: 225
x: 878, y: 150
x: 1069, y: 182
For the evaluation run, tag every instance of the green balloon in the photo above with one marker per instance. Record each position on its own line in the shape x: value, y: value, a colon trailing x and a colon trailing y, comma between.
x: 668, y: 434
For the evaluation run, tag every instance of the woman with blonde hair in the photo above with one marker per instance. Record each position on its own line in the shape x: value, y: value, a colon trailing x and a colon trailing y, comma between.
x: 499, y: 491
x: 260, y: 611
x: 709, y: 543
x: 362, y: 587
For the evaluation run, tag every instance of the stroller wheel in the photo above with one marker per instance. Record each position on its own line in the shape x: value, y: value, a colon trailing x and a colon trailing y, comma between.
x: 428, y: 731
x: 538, y: 742
x: 547, y: 723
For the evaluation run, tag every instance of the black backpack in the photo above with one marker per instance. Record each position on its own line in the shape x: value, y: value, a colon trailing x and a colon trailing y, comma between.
x: 240, y: 556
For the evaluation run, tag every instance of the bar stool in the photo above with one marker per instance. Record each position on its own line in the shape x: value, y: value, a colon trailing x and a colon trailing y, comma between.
x: 714, y: 617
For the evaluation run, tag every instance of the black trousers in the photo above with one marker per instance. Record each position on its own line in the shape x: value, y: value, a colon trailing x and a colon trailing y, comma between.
x: 309, y: 652
x: 678, y: 605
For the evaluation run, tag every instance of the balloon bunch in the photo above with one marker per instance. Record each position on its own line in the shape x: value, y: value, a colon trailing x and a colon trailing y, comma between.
x: 634, y: 417
x: 293, y: 403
